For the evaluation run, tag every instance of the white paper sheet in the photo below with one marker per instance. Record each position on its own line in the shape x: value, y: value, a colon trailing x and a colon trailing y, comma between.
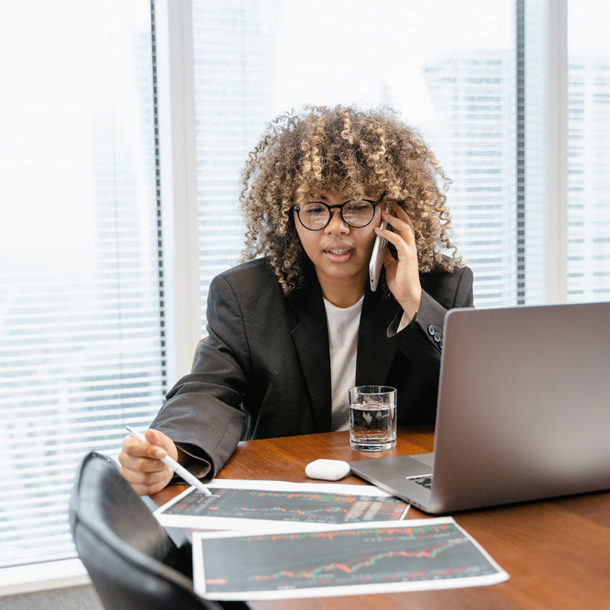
x: 303, y: 506
x: 410, y: 555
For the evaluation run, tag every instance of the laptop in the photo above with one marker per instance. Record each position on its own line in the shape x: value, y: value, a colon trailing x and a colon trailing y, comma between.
x: 523, y: 411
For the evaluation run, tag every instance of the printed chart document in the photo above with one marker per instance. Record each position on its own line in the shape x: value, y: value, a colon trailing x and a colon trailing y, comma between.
x: 346, y: 560
x: 241, y: 504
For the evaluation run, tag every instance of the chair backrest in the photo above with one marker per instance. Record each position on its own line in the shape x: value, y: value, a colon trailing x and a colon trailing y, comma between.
x: 130, y: 558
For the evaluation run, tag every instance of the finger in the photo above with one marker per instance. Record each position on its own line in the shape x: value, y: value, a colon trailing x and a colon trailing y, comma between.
x: 148, y: 485
x: 148, y: 490
x: 136, y: 448
x: 153, y: 489
x: 402, y: 226
x: 400, y: 212
x: 143, y: 464
x: 389, y: 260
x: 141, y: 490
x: 135, y: 477
x: 147, y: 465
x: 155, y: 437
x: 403, y: 249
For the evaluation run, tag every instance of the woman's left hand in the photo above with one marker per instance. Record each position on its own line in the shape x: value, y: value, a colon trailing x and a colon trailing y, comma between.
x: 401, y: 273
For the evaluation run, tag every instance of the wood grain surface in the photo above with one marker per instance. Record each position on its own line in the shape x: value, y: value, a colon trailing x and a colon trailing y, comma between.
x: 557, y: 552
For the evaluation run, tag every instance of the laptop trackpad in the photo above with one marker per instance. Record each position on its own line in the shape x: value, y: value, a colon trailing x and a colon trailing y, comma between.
x: 395, y: 467
x: 427, y: 459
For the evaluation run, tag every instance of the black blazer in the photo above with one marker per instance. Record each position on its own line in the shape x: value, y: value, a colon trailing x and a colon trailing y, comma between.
x: 264, y: 368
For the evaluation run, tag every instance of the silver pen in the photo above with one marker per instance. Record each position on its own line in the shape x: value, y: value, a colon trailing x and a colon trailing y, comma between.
x: 181, y: 471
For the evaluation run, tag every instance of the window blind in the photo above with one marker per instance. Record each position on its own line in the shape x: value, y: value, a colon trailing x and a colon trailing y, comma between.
x: 233, y: 56
x: 448, y: 67
x: 588, y: 151
x: 81, y: 290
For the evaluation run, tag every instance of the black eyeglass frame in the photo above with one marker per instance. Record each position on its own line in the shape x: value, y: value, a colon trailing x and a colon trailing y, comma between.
x: 330, y: 209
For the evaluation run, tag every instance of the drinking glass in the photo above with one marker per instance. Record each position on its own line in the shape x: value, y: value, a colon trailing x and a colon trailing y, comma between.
x: 372, y: 417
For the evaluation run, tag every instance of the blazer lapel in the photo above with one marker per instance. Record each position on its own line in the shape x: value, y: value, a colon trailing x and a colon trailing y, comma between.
x: 375, y: 351
x: 310, y: 338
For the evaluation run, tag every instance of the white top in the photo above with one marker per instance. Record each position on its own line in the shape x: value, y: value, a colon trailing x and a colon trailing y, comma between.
x: 343, y: 323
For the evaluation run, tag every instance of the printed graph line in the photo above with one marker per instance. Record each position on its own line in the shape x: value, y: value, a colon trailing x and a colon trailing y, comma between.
x: 289, y: 506
x: 405, y: 557
x: 430, y: 553
x: 419, y: 533
x: 282, y: 509
x: 313, y: 497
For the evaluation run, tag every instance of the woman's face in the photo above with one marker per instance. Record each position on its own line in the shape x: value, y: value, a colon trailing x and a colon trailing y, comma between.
x: 340, y: 253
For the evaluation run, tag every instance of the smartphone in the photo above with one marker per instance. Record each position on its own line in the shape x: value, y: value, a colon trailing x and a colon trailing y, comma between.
x: 376, y: 262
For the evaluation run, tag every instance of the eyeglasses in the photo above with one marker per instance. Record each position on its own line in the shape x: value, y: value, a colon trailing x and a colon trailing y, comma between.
x: 316, y: 215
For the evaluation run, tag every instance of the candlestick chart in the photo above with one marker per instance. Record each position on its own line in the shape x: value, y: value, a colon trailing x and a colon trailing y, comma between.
x: 342, y: 558
x: 313, y: 507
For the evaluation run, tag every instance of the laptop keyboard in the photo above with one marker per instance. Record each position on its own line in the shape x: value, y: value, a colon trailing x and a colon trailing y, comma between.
x: 424, y: 480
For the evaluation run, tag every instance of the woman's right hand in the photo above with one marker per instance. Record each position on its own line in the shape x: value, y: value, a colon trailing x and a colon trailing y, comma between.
x: 141, y: 463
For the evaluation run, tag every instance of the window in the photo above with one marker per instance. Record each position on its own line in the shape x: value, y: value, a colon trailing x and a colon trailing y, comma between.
x: 254, y: 60
x: 588, y: 147
x: 81, y: 286
x: 88, y: 279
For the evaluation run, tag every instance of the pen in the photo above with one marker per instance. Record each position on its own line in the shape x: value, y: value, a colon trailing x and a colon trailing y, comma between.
x: 181, y: 471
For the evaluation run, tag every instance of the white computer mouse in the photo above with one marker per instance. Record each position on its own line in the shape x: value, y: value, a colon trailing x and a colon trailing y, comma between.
x: 330, y: 470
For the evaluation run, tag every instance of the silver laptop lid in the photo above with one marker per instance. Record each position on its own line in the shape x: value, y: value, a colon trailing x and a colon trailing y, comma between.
x: 524, y: 405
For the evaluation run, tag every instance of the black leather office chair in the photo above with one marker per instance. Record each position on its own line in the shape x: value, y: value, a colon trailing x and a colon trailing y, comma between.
x: 130, y: 558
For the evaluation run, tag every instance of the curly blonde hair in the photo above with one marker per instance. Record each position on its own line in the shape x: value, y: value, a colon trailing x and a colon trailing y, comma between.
x: 345, y: 150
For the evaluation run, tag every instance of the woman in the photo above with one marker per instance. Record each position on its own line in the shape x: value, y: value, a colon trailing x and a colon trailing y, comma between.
x: 289, y: 332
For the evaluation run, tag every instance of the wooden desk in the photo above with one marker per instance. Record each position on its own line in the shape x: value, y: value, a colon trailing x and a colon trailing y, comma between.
x: 556, y: 552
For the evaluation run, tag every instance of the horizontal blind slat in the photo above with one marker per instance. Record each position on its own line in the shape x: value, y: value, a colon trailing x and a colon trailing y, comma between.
x: 82, y: 333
